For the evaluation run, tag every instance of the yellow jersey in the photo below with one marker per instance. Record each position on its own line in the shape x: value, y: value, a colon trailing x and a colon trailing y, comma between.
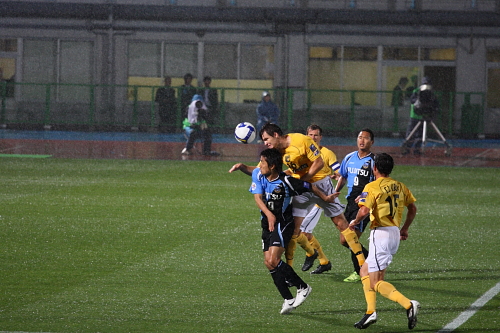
x: 386, y: 198
x: 330, y: 159
x: 300, y: 155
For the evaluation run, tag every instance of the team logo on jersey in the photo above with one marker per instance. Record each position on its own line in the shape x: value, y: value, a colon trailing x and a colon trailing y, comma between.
x: 314, y: 149
x: 366, y: 165
x: 254, y: 186
x: 362, y: 197
x: 307, y: 185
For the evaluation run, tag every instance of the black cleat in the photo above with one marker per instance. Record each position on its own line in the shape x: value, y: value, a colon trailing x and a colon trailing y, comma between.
x: 366, y: 321
x: 308, y: 263
x: 322, y: 268
x: 411, y: 313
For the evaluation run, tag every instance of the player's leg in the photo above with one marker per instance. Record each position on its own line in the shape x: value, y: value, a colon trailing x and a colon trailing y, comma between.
x: 306, y: 227
x: 350, y: 237
x: 370, y: 316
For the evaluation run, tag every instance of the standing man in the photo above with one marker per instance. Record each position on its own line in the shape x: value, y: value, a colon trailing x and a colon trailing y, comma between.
x: 167, y: 103
x: 211, y: 99
x: 187, y: 93
x: 273, y: 191
x: 267, y: 111
x: 303, y: 158
x: 311, y: 220
x: 356, y: 170
x: 384, y: 201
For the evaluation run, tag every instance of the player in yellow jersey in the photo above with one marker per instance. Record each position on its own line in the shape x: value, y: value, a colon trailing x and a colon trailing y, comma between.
x: 384, y: 200
x: 311, y: 220
x: 303, y: 158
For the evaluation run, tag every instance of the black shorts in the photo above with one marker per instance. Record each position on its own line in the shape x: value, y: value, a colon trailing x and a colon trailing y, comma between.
x: 279, y: 237
x: 350, y: 213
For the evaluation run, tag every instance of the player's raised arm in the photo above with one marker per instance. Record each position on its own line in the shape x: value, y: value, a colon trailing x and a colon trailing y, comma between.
x: 246, y: 169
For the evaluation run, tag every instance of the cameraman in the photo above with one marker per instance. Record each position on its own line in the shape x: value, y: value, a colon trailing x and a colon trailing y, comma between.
x: 424, y: 105
x: 195, y: 126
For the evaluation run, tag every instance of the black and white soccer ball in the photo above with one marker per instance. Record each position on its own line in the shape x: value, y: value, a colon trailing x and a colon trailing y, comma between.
x: 244, y: 132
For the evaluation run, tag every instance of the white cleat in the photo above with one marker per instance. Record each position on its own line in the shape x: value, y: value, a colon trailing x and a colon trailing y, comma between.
x: 287, y: 306
x: 302, y: 294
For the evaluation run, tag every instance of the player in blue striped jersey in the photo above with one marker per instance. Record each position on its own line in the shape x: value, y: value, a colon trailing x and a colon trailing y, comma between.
x: 356, y: 170
x: 273, y: 191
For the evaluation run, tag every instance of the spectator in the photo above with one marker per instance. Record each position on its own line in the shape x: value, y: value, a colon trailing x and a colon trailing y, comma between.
x: 211, y: 99
x: 167, y: 103
x: 267, y: 111
x: 187, y: 92
x: 399, y: 93
x: 196, y: 127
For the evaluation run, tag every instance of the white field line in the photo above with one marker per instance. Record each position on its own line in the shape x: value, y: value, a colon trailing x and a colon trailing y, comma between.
x: 477, y: 305
x: 476, y: 156
x: 7, y: 149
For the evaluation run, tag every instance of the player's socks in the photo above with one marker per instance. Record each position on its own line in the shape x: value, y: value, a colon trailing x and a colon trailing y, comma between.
x: 353, y: 242
x: 279, y: 279
x: 354, y: 259
x: 304, y: 243
x: 323, y: 260
x: 389, y: 291
x: 291, y: 276
x: 290, y: 250
x: 370, y: 295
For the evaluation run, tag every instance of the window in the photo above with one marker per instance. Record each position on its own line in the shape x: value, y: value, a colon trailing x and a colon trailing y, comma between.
x: 144, y: 59
x: 181, y: 59
x: 400, y: 53
x: 257, y: 62
x: 221, y: 61
x: 8, y: 45
x: 493, y: 55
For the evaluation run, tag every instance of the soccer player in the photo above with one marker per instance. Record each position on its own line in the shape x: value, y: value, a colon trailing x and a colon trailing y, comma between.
x: 303, y: 158
x: 356, y: 170
x: 384, y: 200
x: 311, y: 220
x: 273, y: 191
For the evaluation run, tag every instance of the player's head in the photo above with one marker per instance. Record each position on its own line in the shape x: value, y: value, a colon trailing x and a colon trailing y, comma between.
x: 315, y: 132
x: 271, y: 159
x: 365, y: 139
x: 270, y: 134
x: 384, y: 163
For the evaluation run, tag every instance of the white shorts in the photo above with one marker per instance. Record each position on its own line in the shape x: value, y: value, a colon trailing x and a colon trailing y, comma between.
x: 384, y: 243
x: 304, y: 203
x: 311, y: 220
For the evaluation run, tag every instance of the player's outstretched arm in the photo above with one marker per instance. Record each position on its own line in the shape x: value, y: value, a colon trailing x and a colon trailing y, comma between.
x: 328, y: 198
x: 246, y: 169
x: 362, y: 213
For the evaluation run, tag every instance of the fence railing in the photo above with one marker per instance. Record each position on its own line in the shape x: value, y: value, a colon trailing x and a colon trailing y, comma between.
x: 337, y: 111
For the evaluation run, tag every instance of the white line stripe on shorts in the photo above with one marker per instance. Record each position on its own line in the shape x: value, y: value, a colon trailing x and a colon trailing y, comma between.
x: 477, y: 305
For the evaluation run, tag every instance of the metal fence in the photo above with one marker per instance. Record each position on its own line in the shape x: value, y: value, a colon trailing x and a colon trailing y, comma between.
x: 119, y: 107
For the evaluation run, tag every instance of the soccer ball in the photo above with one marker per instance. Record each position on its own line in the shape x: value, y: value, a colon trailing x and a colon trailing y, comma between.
x: 244, y: 132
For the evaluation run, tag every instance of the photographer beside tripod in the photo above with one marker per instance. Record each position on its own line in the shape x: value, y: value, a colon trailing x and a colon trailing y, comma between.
x: 424, y: 104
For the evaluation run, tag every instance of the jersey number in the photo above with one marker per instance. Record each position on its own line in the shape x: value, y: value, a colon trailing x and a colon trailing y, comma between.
x: 270, y: 205
x: 393, y: 204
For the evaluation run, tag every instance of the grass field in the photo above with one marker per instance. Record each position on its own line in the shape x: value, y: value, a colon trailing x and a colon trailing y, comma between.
x: 174, y: 246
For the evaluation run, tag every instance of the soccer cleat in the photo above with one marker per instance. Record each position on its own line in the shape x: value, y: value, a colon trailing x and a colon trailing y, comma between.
x: 308, y: 263
x: 302, y: 294
x: 411, y: 313
x: 185, y: 151
x: 287, y: 306
x: 211, y: 153
x: 366, y: 321
x: 322, y: 268
x: 354, y: 277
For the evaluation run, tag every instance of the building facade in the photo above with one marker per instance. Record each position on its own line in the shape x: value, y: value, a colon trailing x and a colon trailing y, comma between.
x: 94, y: 61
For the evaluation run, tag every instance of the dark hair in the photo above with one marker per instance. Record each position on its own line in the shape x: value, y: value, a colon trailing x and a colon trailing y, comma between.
x: 188, y: 75
x: 314, y: 127
x: 384, y: 163
x: 207, y: 78
x: 273, y: 157
x: 270, y: 129
x: 372, y: 136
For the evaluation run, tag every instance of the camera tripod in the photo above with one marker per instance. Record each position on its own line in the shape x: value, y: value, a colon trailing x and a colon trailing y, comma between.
x: 424, y: 123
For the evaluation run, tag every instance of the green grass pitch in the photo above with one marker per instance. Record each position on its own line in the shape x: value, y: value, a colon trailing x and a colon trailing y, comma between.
x: 174, y: 246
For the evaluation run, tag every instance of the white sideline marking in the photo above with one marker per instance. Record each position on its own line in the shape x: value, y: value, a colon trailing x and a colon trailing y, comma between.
x: 481, y: 154
x: 477, y: 305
